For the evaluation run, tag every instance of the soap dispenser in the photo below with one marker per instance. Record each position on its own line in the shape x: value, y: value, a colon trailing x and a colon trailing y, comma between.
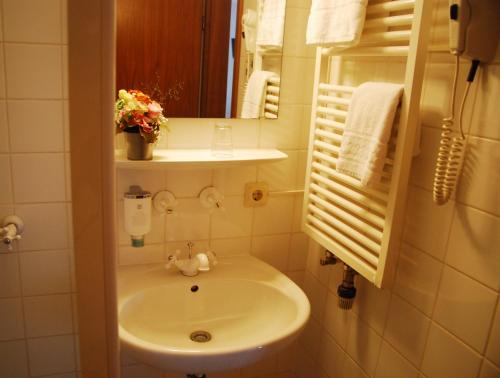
x: 137, y: 208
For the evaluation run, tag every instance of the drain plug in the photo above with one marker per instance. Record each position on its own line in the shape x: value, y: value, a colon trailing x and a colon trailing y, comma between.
x: 200, y: 336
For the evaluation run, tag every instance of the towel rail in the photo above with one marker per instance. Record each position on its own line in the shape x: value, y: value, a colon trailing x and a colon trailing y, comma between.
x: 390, y: 6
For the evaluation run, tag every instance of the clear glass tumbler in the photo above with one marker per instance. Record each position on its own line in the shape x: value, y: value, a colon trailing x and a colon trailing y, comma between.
x: 222, y: 140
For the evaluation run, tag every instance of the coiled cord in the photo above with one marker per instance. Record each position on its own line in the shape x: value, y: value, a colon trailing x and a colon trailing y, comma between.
x: 451, y: 146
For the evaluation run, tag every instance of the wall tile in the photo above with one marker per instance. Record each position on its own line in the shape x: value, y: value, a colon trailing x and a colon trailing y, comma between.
x: 417, y: 278
x: 283, y: 132
x: 51, y: 355
x: 9, y: 276
x: 480, y: 178
x: 150, y: 180
x: 32, y: 20
x: 331, y: 356
x: 190, y: 221
x: 463, y: 302
x: 336, y: 321
x: 493, y: 351
x: 351, y: 369
x: 281, y: 175
x: 272, y: 249
x: 4, y: 130
x: 423, y: 166
x: 392, y: 365
x: 275, y: 217
x: 486, y: 105
x: 231, y: 181
x: 231, y: 246
x: 3, y: 84
x: 299, y: 244
x: 188, y: 183
x: 6, y: 182
x: 28, y: 80
x: 445, y: 356
x: 48, y: 315
x: 427, y: 225
x: 13, y: 362
x: 308, y: 339
x: 53, y: 278
x: 43, y: 231
x: 39, y: 178
x: 148, y: 254
x: 363, y: 345
x: 489, y: 370
x: 234, y: 221
x: 43, y: 135
x: 11, y: 319
x: 141, y: 371
x: 473, y: 246
x: 371, y: 304
x: 316, y: 293
x: 407, y: 340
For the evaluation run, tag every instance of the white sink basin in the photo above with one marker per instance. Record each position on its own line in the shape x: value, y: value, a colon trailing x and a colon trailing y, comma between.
x: 248, y: 308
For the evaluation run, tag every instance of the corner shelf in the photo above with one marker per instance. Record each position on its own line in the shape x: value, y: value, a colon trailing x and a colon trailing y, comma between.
x: 200, y: 158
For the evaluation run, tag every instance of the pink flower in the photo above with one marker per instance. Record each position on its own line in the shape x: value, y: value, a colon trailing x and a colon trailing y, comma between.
x: 154, y: 109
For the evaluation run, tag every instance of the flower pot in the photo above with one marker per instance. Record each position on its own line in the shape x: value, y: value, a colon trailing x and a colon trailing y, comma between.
x: 138, y: 148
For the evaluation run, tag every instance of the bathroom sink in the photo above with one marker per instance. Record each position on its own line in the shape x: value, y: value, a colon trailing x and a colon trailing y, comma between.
x: 237, y: 313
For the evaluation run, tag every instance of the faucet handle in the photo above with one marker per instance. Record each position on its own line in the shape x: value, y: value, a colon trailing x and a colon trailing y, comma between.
x: 172, y: 259
x: 212, y: 257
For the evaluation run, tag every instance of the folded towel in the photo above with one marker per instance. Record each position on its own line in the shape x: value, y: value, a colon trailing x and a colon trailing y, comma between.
x: 249, y: 23
x: 271, y: 24
x: 336, y: 23
x: 253, y: 100
x: 367, y: 131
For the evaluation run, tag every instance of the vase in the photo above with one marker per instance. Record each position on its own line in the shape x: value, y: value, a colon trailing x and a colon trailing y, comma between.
x: 138, y: 148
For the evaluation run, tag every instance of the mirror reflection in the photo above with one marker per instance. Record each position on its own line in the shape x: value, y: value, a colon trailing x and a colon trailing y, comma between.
x: 227, y: 66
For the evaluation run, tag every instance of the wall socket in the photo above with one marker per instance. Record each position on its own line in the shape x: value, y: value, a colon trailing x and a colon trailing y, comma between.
x: 256, y: 194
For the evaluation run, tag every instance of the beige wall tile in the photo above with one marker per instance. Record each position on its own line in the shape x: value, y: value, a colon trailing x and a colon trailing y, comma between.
x: 489, y: 370
x: 465, y: 308
x: 11, y: 319
x: 363, y: 345
x: 4, y: 130
x: 427, y: 225
x: 26, y: 79
x: 32, y: 20
x: 299, y: 244
x: 189, y: 221
x: 417, y: 278
x: 231, y: 246
x: 331, y: 356
x: 6, y: 182
x: 46, y: 226
x: 13, y: 361
x: 407, y: 340
x: 48, y: 315
x: 187, y: 183
x: 53, y: 278
x: 371, y: 304
x: 486, y: 111
x: 480, y: 178
x: 9, y: 276
x: 275, y: 217
x: 473, y: 247
x: 493, y: 351
x: 336, y: 321
x: 316, y: 293
x: 2, y: 71
x: 393, y: 365
x: 145, y: 255
x: 234, y: 221
x: 231, y: 181
x: 280, y: 175
x: 43, y: 135
x: 446, y: 356
x: 39, y: 177
x: 272, y: 249
x: 51, y: 355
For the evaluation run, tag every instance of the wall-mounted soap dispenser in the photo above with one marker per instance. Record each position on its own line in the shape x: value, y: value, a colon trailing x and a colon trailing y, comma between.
x: 137, y: 208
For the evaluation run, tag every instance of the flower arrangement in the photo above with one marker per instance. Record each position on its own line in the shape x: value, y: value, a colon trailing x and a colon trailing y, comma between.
x: 136, y: 112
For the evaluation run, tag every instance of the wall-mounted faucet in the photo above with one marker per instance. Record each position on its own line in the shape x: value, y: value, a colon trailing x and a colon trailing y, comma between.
x: 12, y: 227
x: 201, y: 262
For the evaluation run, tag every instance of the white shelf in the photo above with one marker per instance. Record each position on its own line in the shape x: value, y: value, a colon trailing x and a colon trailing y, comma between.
x: 200, y: 158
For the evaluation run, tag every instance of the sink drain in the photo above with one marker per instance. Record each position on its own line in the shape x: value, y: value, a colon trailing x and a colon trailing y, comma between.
x: 200, y: 336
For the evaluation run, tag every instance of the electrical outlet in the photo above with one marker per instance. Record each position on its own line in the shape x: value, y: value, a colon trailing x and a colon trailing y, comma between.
x: 256, y: 194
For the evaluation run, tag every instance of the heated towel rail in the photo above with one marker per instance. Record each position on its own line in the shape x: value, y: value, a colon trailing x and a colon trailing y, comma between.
x: 362, y: 226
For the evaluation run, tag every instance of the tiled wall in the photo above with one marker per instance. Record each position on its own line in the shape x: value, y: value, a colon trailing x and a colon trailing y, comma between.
x: 441, y: 318
x: 37, y: 324
x: 271, y: 233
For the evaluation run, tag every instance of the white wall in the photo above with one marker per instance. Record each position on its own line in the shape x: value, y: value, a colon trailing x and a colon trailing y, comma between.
x: 37, y: 324
x: 441, y: 318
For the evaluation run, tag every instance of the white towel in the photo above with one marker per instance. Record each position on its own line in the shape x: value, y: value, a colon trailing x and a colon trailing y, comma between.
x: 249, y: 23
x: 367, y: 131
x: 253, y: 101
x: 336, y: 23
x: 271, y: 24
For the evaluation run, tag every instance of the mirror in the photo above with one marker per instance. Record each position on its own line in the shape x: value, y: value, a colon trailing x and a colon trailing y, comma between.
x: 203, y: 58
